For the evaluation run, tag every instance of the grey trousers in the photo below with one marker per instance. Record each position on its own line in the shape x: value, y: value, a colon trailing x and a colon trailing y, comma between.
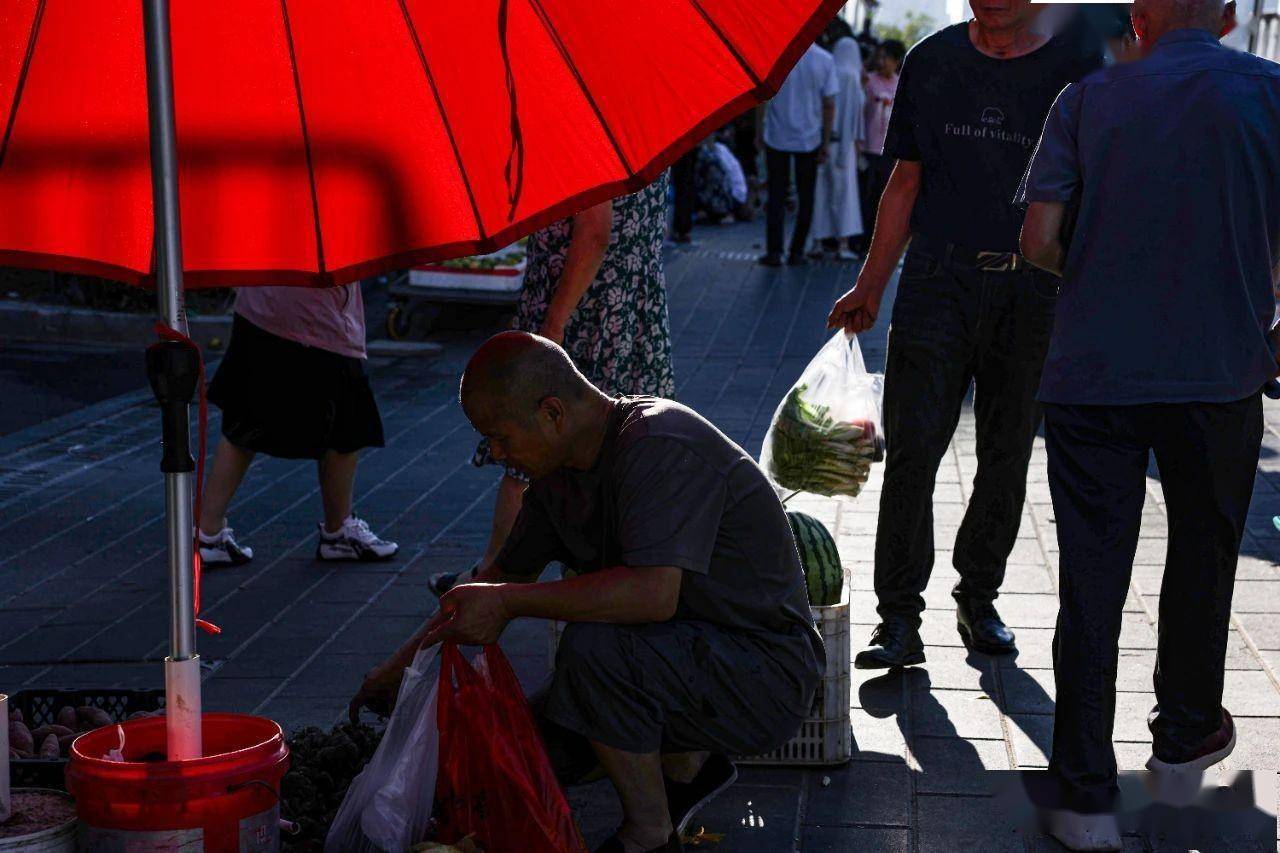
x: 678, y: 686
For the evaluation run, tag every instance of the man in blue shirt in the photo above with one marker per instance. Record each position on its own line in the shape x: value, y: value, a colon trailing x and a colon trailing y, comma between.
x: 1160, y: 344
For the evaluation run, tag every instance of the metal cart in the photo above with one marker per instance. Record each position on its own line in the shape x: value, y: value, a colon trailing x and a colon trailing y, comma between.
x: 418, y: 294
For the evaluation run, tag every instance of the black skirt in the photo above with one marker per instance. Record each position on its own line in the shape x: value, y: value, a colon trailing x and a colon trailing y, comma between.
x: 290, y: 400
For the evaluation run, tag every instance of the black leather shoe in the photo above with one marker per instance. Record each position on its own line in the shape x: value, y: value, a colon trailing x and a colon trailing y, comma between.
x: 982, y: 629
x: 894, y: 644
x: 770, y: 260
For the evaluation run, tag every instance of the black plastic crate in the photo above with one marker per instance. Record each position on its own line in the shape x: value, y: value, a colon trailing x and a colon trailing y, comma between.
x: 40, y: 707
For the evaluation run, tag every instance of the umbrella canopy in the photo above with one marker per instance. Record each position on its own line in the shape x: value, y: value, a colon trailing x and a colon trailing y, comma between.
x: 322, y: 141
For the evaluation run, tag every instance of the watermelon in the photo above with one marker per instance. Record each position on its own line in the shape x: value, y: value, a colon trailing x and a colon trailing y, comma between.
x: 822, y: 570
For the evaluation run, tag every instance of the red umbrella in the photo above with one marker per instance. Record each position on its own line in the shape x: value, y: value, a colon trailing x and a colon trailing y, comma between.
x: 322, y: 141
x: 315, y: 142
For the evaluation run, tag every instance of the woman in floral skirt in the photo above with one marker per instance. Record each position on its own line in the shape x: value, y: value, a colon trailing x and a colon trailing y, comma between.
x: 594, y: 284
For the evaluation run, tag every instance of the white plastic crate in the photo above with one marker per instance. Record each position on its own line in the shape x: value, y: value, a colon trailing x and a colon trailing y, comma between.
x: 826, y: 737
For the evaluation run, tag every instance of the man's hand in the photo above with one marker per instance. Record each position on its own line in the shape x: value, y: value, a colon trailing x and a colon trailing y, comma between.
x: 474, y: 615
x: 1273, y: 341
x: 856, y: 311
x: 378, y: 691
x: 1041, y: 241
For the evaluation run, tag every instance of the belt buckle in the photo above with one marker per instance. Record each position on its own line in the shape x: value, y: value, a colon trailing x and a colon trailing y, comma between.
x: 996, y: 261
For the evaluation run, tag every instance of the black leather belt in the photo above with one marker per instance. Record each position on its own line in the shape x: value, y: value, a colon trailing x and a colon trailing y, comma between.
x: 950, y: 253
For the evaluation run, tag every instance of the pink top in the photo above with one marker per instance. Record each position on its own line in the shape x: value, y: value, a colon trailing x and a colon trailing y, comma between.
x: 880, y: 93
x: 327, y: 318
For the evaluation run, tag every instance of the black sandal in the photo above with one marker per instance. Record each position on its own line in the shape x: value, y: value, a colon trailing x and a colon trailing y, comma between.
x: 614, y: 845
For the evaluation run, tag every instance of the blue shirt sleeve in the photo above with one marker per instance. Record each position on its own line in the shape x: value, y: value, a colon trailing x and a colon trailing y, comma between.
x: 831, y: 81
x: 1054, y: 172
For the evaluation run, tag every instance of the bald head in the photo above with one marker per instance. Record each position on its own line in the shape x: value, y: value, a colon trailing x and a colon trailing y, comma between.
x: 513, y: 372
x: 1152, y: 19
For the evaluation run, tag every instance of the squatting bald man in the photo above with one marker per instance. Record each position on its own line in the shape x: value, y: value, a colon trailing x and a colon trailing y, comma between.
x: 690, y: 635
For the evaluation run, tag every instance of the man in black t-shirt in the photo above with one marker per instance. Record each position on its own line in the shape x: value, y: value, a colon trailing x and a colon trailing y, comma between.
x: 971, y: 102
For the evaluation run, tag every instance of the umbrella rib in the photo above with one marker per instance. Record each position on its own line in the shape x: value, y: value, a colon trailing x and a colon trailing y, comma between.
x: 547, y: 25
x: 444, y: 117
x: 22, y: 79
x: 306, y: 138
x: 730, y: 46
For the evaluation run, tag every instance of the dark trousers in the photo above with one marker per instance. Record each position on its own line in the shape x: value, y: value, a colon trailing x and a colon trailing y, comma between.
x: 744, y: 143
x: 778, y: 164
x: 953, y: 327
x: 682, y: 183
x: 1207, y: 455
x: 871, y: 187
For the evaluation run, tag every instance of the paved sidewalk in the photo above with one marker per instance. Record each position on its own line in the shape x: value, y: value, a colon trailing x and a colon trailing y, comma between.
x: 83, y: 592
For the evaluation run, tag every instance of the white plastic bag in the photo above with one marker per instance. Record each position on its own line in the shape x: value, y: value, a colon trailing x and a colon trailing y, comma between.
x: 388, y: 806
x: 826, y: 432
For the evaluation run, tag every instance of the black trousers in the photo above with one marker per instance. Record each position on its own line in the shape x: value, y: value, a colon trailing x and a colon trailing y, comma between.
x: 682, y: 183
x: 1207, y: 455
x: 871, y: 187
x: 956, y: 327
x: 778, y: 164
x: 744, y: 143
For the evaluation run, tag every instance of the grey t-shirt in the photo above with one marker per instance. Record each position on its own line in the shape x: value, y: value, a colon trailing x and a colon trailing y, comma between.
x: 669, y: 489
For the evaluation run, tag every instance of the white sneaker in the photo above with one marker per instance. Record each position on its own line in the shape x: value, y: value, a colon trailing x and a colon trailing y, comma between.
x: 223, y: 550
x: 1178, y: 784
x: 354, y: 542
x: 1090, y: 832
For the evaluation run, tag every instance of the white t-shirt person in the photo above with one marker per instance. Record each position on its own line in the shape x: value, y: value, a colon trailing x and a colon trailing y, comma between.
x: 793, y: 119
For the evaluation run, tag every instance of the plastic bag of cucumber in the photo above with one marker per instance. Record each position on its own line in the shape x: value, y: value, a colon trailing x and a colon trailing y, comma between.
x: 826, y: 432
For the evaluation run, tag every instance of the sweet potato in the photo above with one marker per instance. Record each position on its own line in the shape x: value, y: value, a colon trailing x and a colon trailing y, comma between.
x: 93, y: 718
x: 64, y: 743
x: 49, y: 748
x: 51, y: 729
x: 142, y: 715
x: 67, y: 717
x: 20, y: 738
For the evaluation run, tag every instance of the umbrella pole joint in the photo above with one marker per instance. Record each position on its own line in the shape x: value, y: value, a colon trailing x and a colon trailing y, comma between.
x: 173, y: 369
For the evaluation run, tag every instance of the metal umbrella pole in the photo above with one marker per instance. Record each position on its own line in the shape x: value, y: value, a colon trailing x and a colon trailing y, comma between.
x: 173, y: 369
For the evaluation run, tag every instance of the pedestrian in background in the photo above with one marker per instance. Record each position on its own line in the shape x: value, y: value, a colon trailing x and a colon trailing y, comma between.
x: 684, y: 193
x: 721, y: 182
x: 1161, y: 347
x: 797, y: 130
x: 837, y: 210
x: 881, y: 87
x: 969, y: 311
x: 292, y: 385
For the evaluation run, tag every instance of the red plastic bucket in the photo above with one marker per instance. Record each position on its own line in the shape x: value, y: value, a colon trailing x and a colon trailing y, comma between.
x: 226, y: 801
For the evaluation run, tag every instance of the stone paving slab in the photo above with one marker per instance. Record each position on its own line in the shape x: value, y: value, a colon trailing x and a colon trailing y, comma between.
x: 83, y: 588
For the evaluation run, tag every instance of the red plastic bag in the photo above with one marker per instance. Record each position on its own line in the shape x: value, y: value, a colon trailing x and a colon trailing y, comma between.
x: 495, y: 781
